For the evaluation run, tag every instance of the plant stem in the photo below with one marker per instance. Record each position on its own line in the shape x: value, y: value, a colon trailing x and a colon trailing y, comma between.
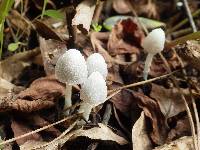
x: 44, y: 7
x: 85, y: 108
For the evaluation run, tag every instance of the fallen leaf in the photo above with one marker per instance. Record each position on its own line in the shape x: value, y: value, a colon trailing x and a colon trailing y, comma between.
x: 51, y: 50
x: 41, y: 94
x: 140, y: 138
x: 125, y: 37
x: 84, y: 14
x: 30, y: 144
x: 181, y: 129
x: 100, y: 133
x: 19, y: 128
x: 169, y: 100
x: 184, y: 143
x: 152, y: 111
x: 11, y: 67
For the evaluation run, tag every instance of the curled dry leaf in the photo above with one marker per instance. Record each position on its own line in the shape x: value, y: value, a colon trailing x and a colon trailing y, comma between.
x: 169, y: 100
x: 125, y: 37
x: 41, y: 94
x: 11, y: 67
x: 51, y: 50
x: 152, y: 111
x: 140, y: 138
x: 84, y: 14
x: 100, y: 133
x: 184, y: 143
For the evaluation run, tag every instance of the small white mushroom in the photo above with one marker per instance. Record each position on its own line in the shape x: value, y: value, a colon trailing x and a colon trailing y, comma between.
x: 93, y: 92
x: 96, y: 62
x: 71, y: 69
x: 153, y: 44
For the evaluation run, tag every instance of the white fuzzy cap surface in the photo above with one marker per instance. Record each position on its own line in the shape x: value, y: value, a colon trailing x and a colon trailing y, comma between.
x: 71, y: 68
x: 94, y: 89
x: 96, y: 62
x: 154, y: 41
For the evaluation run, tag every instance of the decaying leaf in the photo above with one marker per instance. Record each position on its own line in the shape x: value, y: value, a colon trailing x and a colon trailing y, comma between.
x: 11, y: 67
x: 51, y: 50
x: 184, y: 143
x: 125, y: 37
x: 41, y: 94
x: 152, y: 111
x: 121, y: 6
x: 190, y: 52
x: 140, y: 138
x: 84, y: 14
x: 181, y: 129
x: 100, y: 133
x: 169, y: 100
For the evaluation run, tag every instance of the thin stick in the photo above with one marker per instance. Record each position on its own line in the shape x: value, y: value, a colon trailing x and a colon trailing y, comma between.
x: 194, y: 28
x: 97, y: 12
x: 36, y: 131
x: 143, y: 82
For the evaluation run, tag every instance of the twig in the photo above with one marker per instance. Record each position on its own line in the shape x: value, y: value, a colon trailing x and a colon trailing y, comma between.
x: 194, y: 28
x: 143, y: 82
x: 38, y: 130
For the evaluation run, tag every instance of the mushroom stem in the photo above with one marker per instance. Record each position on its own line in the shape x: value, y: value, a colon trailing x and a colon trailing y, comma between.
x: 147, y: 65
x: 68, y: 94
x: 85, y: 108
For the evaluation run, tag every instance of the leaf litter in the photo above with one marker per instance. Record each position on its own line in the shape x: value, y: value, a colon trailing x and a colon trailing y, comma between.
x: 153, y: 113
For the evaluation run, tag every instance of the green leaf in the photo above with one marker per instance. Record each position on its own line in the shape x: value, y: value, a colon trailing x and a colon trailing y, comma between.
x: 183, y: 39
x: 13, y: 46
x: 149, y: 23
x: 96, y: 27
x: 54, y: 14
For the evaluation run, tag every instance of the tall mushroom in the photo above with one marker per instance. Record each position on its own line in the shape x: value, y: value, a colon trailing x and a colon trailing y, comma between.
x: 71, y: 69
x: 96, y: 62
x: 93, y: 92
x: 153, y: 44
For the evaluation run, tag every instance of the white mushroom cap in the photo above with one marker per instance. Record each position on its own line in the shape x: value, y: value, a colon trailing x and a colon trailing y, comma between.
x: 94, y: 89
x: 71, y: 68
x: 96, y: 62
x: 154, y: 41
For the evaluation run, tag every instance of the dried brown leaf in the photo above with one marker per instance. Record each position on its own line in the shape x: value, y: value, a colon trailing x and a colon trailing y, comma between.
x: 51, y: 50
x: 41, y: 94
x: 152, y: 111
x: 169, y: 100
x: 140, y: 138
x: 125, y: 37
x: 100, y: 133
x: 19, y: 128
x: 11, y: 67
x: 184, y: 143
x: 5, y: 88
x: 30, y: 144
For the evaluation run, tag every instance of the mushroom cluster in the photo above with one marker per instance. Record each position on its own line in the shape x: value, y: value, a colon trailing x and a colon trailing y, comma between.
x: 153, y: 44
x: 71, y: 68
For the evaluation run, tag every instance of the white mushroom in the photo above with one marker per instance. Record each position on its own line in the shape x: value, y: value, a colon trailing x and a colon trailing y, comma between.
x: 153, y: 44
x: 93, y: 92
x: 71, y: 69
x: 96, y: 62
